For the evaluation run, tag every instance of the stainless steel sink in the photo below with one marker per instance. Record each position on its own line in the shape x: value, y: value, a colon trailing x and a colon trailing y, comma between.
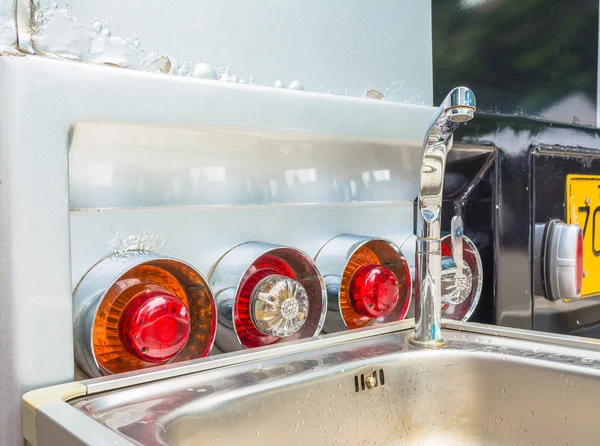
x: 489, y: 386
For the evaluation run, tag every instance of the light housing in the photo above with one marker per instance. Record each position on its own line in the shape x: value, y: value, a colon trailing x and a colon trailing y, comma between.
x: 138, y: 310
x: 266, y: 294
x: 558, y: 255
x: 368, y: 282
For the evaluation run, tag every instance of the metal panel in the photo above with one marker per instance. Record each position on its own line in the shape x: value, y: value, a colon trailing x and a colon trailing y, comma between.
x: 39, y: 101
x: 59, y: 425
x: 126, y: 166
x: 227, y: 404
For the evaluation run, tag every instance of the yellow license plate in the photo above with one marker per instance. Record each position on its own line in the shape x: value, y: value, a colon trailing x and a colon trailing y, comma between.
x: 583, y: 208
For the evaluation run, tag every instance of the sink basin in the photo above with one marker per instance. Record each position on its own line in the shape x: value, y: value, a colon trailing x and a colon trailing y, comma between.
x: 489, y: 386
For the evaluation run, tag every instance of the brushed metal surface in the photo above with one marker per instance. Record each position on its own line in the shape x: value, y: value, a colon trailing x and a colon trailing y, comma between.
x: 481, y: 389
x: 121, y: 165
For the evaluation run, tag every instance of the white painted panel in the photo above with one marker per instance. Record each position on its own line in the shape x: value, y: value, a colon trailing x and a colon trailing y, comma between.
x: 8, y: 34
x: 339, y: 46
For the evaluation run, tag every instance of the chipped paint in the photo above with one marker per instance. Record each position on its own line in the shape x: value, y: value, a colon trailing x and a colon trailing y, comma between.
x: 82, y: 31
x: 8, y: 32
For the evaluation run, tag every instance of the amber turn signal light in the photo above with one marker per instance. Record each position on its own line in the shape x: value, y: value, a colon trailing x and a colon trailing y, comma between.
x: 368, y: 282
x: 141, y: 310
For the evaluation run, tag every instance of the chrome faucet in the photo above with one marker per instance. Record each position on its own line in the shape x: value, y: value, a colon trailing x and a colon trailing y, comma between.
x: 458, y: 107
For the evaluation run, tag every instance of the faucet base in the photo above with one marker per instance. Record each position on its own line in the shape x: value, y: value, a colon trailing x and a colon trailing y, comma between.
x: 412, y: 340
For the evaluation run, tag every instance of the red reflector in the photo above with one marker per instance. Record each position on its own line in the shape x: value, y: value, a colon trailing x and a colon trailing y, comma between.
x: 579, y: 265
x: 373, y: 290
x: 154, y: 326
x: 446, y: 251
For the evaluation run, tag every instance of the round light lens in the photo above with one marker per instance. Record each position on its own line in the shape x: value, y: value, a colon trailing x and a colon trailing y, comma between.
x: 374, y: 290
x: 155, y: 325
x: 455, y: 290
x: 279, y: 306
x: 459, y: 299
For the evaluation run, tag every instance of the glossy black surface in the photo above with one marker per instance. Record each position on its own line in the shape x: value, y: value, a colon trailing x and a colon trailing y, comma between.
x: 530, y: 57
x: 522, y: 185
x: 469, y: 191
x: 550, y: 166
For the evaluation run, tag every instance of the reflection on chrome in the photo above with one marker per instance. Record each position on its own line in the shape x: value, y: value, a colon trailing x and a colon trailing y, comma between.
x: 457, y: 107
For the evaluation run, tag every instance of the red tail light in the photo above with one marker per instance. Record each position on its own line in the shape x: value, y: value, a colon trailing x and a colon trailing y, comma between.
x: 155, y: 325
x: 579, y: 264
x: 373, y: 290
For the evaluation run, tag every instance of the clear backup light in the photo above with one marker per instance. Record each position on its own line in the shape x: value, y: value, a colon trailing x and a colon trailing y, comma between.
x: 460, y: 298
x: 368, y: 282
x: 140, y: 310
x: 279, y: 306
x: 266, y: 294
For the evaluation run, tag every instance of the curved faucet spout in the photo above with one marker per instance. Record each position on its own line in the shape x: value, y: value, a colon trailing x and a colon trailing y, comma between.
x: 457, y: 107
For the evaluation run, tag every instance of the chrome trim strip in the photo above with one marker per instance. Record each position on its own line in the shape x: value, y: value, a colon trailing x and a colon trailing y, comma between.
x: 120, y: 381
x: 524, y: 335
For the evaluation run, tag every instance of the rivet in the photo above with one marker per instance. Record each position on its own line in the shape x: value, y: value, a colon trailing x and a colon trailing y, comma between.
x: 370, y: 382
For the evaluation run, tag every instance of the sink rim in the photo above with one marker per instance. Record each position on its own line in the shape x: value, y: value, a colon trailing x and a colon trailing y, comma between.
x: 51, y: 404
x: 115, y: 382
